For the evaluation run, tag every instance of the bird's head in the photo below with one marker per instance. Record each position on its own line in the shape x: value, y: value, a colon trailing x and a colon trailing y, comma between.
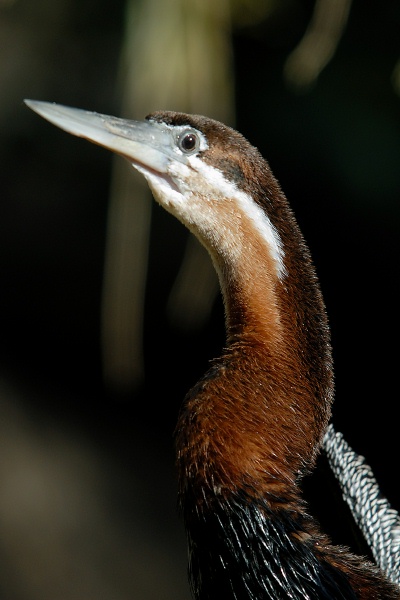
x: 198, y: 169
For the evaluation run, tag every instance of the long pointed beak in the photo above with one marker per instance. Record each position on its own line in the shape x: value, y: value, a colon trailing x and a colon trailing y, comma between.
x: 144, y: 143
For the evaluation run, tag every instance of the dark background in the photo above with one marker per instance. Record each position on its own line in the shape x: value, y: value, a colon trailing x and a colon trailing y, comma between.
x: 87, y: 497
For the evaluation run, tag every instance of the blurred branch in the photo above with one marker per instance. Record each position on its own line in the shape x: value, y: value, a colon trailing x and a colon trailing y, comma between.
x: 124, y: 279
x: 318, y: 45
x: 176, y: 55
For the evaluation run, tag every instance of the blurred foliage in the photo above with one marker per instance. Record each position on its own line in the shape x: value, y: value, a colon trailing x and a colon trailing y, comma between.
x: 195, y: 37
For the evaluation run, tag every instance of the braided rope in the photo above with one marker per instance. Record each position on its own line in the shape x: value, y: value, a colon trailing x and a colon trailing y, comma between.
x: 379, y: 523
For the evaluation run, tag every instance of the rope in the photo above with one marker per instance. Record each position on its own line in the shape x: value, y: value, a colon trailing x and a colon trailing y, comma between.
x: 378, y: 521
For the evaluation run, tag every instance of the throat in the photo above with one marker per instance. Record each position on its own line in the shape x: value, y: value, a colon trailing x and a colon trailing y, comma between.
x: 251, y: 292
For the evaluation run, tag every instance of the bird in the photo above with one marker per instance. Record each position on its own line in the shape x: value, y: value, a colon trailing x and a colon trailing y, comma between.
x: 252, y: 427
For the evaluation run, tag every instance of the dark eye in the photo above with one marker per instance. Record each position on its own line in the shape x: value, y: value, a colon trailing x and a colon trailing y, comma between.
x: 189, y: 142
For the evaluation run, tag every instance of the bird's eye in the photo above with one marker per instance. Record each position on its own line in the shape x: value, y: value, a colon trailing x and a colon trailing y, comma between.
x: 189, y: 142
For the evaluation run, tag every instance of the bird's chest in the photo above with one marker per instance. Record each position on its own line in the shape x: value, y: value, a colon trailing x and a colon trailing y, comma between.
x: 229, y: 432
x: 219, y: 441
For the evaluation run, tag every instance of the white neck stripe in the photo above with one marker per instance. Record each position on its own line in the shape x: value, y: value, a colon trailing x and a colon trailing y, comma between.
x: 253, y: 211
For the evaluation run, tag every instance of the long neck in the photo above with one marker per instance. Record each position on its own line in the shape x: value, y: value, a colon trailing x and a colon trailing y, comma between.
x: 248, y: 431
x: 258, y: 415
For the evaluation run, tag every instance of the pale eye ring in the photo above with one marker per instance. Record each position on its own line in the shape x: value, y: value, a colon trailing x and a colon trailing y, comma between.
x: 189, y: 142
